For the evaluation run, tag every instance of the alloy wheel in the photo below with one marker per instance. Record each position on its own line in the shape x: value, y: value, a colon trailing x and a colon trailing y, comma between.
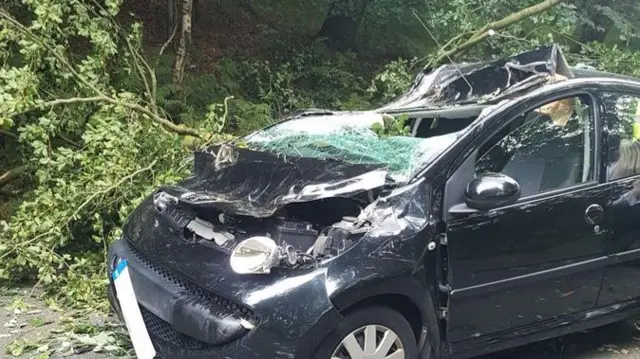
x: 370, y: 342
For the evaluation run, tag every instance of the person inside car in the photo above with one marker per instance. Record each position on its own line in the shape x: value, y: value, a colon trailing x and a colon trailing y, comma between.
x: 626, y: 209
x: 628, y: 161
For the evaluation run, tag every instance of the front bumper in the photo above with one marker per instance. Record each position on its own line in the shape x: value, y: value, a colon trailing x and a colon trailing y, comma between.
x: 186, y: 321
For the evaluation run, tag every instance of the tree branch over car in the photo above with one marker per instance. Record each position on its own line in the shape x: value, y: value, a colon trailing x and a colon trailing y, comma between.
x: 462, y: 42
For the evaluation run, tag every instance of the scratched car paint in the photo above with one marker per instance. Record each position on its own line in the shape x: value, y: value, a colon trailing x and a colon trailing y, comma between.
x: 319, y: 238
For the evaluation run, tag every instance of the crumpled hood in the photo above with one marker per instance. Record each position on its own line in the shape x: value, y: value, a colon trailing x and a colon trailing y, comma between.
x: 246, y: 182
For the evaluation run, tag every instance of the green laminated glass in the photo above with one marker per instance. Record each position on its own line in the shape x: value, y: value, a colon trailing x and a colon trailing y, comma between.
x: 349, y: 138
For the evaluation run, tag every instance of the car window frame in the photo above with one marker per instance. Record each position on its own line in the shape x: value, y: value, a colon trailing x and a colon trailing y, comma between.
x: 530, y: 105
x: 605, y: 146
x: 581, y: 108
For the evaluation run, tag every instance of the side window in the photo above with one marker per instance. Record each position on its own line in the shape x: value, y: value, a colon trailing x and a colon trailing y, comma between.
x: 622, y: 116
x: 545, y: 149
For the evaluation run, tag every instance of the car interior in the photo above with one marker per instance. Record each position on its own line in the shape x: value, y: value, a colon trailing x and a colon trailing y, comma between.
x: 623, y: 141
x: 539, y: 156
x: 532, y: 151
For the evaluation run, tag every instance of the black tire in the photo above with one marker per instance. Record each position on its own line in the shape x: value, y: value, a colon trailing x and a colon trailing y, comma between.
x: 374, y: 315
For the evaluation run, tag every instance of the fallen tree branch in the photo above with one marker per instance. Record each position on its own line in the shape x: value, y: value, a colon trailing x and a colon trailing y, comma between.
x: 483, y: 32
x: 11, y: 175
x: 163, y: 121
x: 224, y: 120
x: 139, y: 62
x: 9, y: 194
x: 138, y: 59
x: 455, y: 38
x: 155, y: 118
x: 69, y: 141
x: 167, y: 43
x: 100, y: 95
x: 8, y: 133
x: 25, y: 30
x: 109, y: 189
x: 72, y: 100
x: 518, y: 16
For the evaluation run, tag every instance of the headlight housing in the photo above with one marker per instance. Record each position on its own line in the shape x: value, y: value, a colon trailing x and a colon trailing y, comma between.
x: 255, y: 255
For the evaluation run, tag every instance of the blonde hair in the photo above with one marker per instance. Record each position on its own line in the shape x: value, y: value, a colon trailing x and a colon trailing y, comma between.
x: 628, y: 163
x: 560, y: 111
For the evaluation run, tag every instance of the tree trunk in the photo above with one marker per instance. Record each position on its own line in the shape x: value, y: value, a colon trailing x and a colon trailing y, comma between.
x: 172, y: 16
x: 340, y: 27
x: 183, y: 43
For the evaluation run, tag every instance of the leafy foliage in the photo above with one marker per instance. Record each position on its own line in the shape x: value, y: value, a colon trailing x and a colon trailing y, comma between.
x: 92, y: 147
x: 392, y: 126
x: 79, y: 330
x: 614, y: 59
x: 394, y: 80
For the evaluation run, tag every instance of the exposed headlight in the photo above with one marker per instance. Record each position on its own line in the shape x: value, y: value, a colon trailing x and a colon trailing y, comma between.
x: 255, y: 255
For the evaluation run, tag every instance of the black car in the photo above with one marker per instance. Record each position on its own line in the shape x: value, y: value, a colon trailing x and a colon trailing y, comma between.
x: 493, y: 205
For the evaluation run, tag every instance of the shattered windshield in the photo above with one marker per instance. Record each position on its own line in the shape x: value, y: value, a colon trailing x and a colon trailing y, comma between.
x: 349, y: 138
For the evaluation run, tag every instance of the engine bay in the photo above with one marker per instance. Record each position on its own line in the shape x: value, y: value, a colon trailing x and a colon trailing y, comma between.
x: 308, y: 231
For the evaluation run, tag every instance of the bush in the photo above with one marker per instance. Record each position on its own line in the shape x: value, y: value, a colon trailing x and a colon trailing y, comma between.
x: 614, y: 59
x: 93, y: 144
x: 394, y: 80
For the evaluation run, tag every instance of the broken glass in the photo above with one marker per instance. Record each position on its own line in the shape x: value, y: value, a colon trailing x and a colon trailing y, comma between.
x: 349, y: 138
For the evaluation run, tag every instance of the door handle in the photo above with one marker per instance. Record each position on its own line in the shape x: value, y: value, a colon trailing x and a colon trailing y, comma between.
x: 594, y: 214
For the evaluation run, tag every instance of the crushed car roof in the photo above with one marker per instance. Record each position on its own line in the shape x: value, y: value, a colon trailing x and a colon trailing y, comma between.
x: 464, y: 89
x: 488, y: 82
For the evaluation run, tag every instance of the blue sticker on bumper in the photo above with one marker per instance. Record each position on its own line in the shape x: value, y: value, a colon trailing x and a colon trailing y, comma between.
x: 119, y: 268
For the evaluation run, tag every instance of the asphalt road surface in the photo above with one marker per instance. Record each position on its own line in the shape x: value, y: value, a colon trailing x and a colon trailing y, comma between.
x: 619, y: 340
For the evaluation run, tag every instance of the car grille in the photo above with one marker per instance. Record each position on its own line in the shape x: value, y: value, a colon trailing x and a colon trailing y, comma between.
x: 160, y: 330
x: 217, y: 303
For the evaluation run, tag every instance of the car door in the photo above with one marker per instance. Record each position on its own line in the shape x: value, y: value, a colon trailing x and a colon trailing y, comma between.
x: 542, y: 257
x: 621, y: 281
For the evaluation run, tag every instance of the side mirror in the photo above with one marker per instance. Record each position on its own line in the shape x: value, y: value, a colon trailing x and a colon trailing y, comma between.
x: 491, y: 190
